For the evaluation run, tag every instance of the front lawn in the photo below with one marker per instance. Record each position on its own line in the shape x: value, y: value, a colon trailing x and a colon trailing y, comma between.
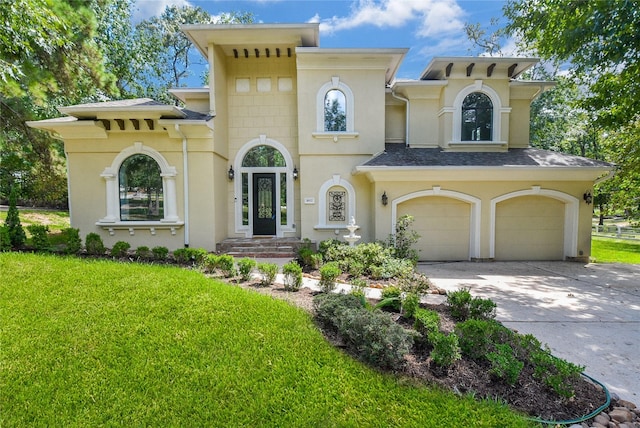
x: 88, y: 343
x: 606, y: 250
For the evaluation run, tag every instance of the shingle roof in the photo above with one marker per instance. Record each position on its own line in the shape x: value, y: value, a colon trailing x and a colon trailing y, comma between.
x: 398, y: 155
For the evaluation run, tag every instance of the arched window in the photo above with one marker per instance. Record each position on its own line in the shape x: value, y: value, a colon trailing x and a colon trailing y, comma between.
x: 335, y: 111
x: 141, y: 189
x: 477, y: 118
x: 263, y: 156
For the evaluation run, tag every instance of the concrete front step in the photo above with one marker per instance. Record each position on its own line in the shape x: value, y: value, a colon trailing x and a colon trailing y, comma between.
x: 262, y: 247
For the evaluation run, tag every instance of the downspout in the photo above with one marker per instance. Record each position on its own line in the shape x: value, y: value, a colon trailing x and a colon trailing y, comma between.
x: 406, y: 101
x: 185, y: 183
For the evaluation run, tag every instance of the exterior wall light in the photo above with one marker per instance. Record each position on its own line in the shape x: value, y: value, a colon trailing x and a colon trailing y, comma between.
x: 231, y: 174
x: 295, y: 173
x: 587, y: 197
x: 385, y: 198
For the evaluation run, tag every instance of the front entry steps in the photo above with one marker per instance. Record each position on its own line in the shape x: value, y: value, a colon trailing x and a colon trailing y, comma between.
x: 261, y: 247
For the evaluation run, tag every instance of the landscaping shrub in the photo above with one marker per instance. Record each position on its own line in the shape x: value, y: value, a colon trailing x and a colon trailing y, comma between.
x: 445, y: 348
x: 245, y: 266
x: 93, y: 244
x: 330, y: 246
x: 227, y: 264
x: 477, y: 337
x: 327, y: 305
x: 160, y: 253
x: 181, y: 255
x: 5, y: 239
x: 556, y: 373
x: 410, y: 304
x: 414, y: 282
x: 39, y: 237
x: 504, y: 364
x: 426, y: 321
x: 463, y: 306
x: 482, y: 308
x: 209, y: 263
x: 143, y: 252
x: 374, y: 337
x: 390, y: 298
x: 190, y: 255
x: 292, y: 272
x: 17, y: 237
x: 73, y: 243
x: 403, y: 239
x: 120, y: 249
x: 328, y: 275
x: 306, y: 254
x: 395, y: 268
x: 268, y: 272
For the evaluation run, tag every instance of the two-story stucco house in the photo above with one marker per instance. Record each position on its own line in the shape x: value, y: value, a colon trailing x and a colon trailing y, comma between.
x: 290, y: 140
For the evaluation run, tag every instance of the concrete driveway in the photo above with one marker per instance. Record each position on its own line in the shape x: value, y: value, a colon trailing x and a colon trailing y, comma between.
x: 587, y: 314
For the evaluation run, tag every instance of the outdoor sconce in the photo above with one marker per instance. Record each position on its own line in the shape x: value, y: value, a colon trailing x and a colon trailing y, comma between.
x: 231, y: 174
x: 385, y: 199
x: 587, y: 197
x: 295, y: 173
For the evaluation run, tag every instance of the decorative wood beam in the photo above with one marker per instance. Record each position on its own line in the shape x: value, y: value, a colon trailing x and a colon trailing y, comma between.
x: 235, y: 53
x: 278, y: 52
x: 470, y: 68
x: 257, y: 53
x: 120, y: 123
x: 512, y: 68
x: 267, y: 52
x: 490, y: 69
x: 448, y: 69
x: 149, y: 124
x: 136, y: 124
x: 289, y: 52
x: 246, y: 53
x: 106, y: 123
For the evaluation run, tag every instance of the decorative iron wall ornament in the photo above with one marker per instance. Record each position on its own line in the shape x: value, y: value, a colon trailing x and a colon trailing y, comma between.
x: 337, y: 206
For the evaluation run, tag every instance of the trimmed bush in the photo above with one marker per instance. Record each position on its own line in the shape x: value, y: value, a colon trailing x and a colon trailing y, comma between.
x: 268, y: 272
x: 477, y: 337
x: 410, y: 304
x: 246, y: 266
x: 39, y: 236
x: 227, y: 264
x: 326, y: 307
x: 189, y: 255
x: 94, y: 245
x: 463, y: 306
x: 292, y: 272
x: 390, y: 298
x: 143, y: 252
x: 17, y: 237
x: 328, y: 275
x: 160, y: 253
x: 73, y: 243
x: 482, y: 308
x: 556, y: 373
x: 210, y: 263
x: 120, y: 249
x: 426, y: 321
x: 445, y: 348
x: 504, y: 365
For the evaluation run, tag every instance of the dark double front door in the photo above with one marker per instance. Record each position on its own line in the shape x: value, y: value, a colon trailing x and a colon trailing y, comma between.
x: 264, y: 204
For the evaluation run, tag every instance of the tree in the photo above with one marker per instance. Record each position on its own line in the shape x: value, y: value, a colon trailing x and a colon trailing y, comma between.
x: 17, y: 237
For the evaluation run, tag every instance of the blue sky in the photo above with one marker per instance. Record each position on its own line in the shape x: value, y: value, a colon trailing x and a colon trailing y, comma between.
x: 428, y: 27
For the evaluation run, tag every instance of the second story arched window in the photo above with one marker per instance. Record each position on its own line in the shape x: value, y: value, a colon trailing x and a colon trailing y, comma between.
x: 477, y: 118
x: 141, y: 189
x: 335, y: 111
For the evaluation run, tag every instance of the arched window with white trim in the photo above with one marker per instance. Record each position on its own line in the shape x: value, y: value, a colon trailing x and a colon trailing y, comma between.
x: 477, y: 118
x: 335, y: 107
x: 336, y: 203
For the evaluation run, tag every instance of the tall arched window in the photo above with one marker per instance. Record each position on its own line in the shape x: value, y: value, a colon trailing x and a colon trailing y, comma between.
x: 477, y: 118
x: 141, y: 189
x: 335, y: 111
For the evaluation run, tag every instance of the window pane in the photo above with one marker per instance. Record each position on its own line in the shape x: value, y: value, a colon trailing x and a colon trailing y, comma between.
x: 283, y: 199
x: 477, y: 118
x: 263, y: 156
x: 335, y: 117
x: 141, y: 192
x: 245, y: 199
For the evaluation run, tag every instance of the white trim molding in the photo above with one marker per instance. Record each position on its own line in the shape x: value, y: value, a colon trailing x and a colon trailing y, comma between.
x: 335, y: 181
x: 571, y: 215
x: 474, y: 217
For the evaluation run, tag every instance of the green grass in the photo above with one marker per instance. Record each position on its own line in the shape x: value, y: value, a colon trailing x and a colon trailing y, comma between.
x: 91, y: 343
x: 606, y: 250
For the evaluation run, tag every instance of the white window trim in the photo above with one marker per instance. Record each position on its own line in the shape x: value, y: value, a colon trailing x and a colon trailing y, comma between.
x: 247, y: 230
x: 335, y: 83
x: 571, y: 217
x: 335, y: 181
x: 496, y: 125
x: 167, y: 172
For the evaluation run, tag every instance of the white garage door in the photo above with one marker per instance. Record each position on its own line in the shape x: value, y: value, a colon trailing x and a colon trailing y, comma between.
x: 530, y: 228
x: 443, y: 225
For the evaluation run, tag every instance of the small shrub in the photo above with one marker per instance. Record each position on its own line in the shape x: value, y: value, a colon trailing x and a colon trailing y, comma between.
x: 396, y: 268
x: 268, y: 272
x: 143, y: 252
x: 39, y: 237
x: 245, y: 266
x: 305, y: 254
x: 329, y: 246
x: 414, y: 282
x: 556, y: 373
x: 459, y: 302
x: 327, y: 306
x: 390, y: 298
x: 17, y: 237
x: 477, y: 337
x: 403, y: 239
x: 210, y: 263
x: 445, y: 348
x: 160, y: 253
x: 482, y: 308
x: 227, y: 264
x: 5, y: 239
x: 292, y: 272
x: 504, y: 364
x: 120, y: 249
x: 410, y: 304
x: 181, y: 255
x: 355, y: 269
x: 73, y: 243
x: 376, y: 272
x: 316, y: 260
x: 328, y: 275
x: 374, y: 337
x: 190, y: 255
x: 426, y: 321
x: 93, y: 244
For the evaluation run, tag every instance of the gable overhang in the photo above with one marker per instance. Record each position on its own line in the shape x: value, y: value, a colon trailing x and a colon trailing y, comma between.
x: 480, y: 173
x: 442, y: 68
x: 387, y: 59
x: 116, y: 110
x: 251, y: 36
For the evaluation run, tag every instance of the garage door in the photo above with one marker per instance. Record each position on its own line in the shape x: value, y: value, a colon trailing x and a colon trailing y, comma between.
x: 530, y: 228
x: 443, y: 226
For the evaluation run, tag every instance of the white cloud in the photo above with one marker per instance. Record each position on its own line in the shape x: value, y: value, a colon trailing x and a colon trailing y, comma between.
x: 433, y: 17
x: 145, y: 9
